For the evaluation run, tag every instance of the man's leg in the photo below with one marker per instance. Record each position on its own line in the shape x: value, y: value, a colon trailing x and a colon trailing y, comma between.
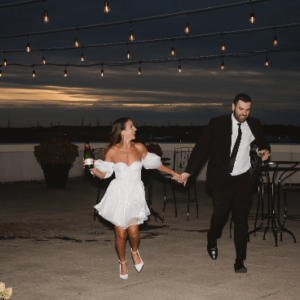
x: 240, y: 210
x: 221, y: 203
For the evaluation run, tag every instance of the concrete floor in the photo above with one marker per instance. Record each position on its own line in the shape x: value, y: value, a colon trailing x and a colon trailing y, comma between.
x: 49, y: 250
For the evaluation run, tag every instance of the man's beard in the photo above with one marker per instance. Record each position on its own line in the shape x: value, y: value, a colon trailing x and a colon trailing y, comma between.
x: 238, y: 118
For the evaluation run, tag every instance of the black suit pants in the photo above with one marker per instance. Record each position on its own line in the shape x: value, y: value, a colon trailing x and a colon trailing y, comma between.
x: 233, y: 194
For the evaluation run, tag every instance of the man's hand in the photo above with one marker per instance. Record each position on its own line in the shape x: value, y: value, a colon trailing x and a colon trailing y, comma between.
x: 266, y: 154
x: 184, y: 178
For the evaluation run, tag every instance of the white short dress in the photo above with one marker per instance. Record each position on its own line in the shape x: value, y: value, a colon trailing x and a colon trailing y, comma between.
x: 124, y: 202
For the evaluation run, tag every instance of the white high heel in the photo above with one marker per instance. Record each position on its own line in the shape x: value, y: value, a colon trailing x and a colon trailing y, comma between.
x: 125, y: 276
x: 139, y: 266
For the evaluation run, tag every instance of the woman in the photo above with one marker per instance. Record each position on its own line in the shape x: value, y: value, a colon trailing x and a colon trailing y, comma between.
x: 124, y: 202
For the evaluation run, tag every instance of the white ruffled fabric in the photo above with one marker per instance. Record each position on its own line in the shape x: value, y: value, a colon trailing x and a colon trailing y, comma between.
x: 124, y: 202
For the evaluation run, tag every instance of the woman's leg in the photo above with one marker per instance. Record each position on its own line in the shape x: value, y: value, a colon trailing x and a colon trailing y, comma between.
x: 134, y: 237
x: 120, y: 243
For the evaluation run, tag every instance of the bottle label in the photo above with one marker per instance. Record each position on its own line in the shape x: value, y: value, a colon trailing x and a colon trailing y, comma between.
x: 88, y: 161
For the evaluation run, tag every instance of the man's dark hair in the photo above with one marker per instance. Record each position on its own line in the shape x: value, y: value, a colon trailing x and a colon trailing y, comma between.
x: 243, y: 97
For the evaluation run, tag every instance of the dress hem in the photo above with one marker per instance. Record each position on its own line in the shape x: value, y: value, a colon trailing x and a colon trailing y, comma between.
x: 138, y: 223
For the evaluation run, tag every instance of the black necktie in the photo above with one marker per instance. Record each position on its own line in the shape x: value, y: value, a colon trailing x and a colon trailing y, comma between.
x: 235, y: 150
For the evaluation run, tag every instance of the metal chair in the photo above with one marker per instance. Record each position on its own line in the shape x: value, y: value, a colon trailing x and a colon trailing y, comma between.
x: 180, y: 161
x: 295, y: 187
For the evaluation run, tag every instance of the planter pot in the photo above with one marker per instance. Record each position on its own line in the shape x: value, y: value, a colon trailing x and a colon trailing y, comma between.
x: 56, y: 176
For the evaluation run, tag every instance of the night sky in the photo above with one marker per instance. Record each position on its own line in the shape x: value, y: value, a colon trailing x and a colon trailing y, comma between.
x: 160, y: 95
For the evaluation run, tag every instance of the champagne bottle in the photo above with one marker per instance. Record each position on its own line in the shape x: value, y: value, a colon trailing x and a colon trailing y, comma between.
x: 88, y: 157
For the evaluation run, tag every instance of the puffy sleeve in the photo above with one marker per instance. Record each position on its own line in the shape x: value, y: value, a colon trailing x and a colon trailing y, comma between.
x: 152, y: 161
x: 105, y: 167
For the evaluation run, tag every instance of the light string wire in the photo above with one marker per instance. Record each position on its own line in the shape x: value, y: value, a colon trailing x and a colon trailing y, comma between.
x: 134, y: 20
x: 20, y: 3
x: 240, y: 31
x: 244, y: 54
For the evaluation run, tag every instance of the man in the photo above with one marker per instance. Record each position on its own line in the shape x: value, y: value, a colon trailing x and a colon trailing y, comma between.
x: 227, y: 141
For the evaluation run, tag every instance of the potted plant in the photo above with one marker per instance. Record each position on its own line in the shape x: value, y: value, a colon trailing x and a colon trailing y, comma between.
x: 154, y: 148
x: 56, y: 156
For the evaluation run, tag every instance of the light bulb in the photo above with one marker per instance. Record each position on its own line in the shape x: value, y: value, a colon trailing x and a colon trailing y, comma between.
x: 33, y: 73
x: 128, y: 54
x: 82, y: 57
x: 140, y: 71
x: 65, y: 73
x: 252, y: 18
x: 173, y: 51
x: 102, y: 73
x: 4, y: 62
x: 28, y: 47
x: 44, y: 60
x: 131, y: 36
x: 179, y: 69
x: 0, y: 73
x: 267, y: 62
x: 76, y: 42
x: 223, y: 47
x: 222, y: 65
x: 187, y: 28
x: 275, y: 40
x: 46, y: 17
x: 106, y: 7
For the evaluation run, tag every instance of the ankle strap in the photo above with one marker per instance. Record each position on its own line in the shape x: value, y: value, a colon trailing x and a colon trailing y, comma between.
x: 137, y: 251
x: 123, y: 262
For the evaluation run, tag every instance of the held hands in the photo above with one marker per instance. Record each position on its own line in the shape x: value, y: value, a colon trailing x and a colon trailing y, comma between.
x: 181, y: 178
x: 266, y: 154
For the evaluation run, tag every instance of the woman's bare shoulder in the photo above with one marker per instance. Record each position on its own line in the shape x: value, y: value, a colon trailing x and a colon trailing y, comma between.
x: 141, y: 147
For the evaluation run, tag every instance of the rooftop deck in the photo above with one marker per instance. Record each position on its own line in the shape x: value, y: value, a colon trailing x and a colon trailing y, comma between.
x: 49, y: 250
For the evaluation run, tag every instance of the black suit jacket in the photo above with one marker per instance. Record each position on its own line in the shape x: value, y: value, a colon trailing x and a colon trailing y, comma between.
x: 215, y: 143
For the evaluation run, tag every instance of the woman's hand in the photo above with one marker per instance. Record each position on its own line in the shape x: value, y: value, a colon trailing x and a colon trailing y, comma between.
x: 176, y: 176
x: 84, y: 162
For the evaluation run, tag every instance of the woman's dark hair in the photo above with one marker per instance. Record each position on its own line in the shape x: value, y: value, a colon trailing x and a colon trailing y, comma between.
x: 243, y: 97
x: 116, y: 130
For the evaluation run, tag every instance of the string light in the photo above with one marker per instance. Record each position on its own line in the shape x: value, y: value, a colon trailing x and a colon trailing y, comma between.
x: 173, y: 49
x: 106, y: 7
x: 33, y: 72
x: 131, y: 36
x: 187, y: 28
x: 267, y: 60
x: 28, y: 47
x: 222, y: 64
x: 82, y: 56
x: 245, y: 54
x: 0, y: 73
x: 275, y: 42
x: 179, y: 38
x: 140, y: 70
x: 102, y: 71
x: 4, y: 62
x: 43, y: 59
x: 46, y: 15
x: 128, y: 52
x: 65, y: 73
x: 252, y: 16
x: 187, y: 24
x: 223, y: 47
x: 76, y: 43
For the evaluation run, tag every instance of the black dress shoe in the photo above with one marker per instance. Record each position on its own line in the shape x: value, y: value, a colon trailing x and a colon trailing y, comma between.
x: 239, y: 267
x: 212, y: 250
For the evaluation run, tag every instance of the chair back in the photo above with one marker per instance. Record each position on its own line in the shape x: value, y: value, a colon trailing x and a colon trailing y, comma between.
x: 181, y: 158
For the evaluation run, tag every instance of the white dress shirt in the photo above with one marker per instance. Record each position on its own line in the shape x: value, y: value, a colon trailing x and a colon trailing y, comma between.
x: 242, y: 162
